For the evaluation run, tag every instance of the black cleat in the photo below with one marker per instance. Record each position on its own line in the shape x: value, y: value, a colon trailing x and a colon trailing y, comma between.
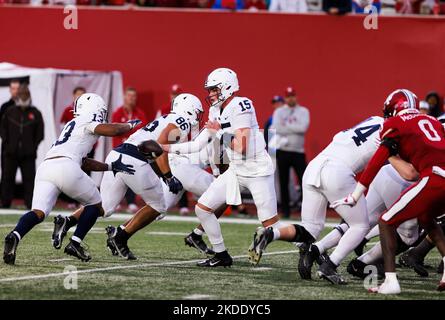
x: 121, y: 247
x: 408, y: 259
x: 328, y: 271
x: 440, y: 268
x: 74, y: 249
x: 357, y: 268
x: 221, y: 259
x: 111, y: 232
x: 195, y: 241
x: 261, y: 238
x: 361, y: 247
x: 60, y: 230
x: 308, y: 254
x: 11, y: 243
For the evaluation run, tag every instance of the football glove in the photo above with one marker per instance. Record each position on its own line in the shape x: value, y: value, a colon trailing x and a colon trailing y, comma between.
x: 134, y: 123
x: 118, y: 166
x: 174, y: 185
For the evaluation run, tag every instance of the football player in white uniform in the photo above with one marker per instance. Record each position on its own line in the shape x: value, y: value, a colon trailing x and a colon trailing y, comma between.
x: 171, y: 128
x: 250, y: 165
x: 327, y: 176
x: 61, y: 172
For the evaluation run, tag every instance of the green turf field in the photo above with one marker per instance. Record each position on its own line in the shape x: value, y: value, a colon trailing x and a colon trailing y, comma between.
x: 166, y: 269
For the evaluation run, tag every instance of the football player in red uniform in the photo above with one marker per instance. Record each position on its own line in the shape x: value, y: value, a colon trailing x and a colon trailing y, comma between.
x: 420, y: 140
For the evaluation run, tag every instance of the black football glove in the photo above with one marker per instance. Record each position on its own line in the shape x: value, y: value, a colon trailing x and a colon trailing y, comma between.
x: 174, y: 185
x: 118, y: 166
x: 392, y: 146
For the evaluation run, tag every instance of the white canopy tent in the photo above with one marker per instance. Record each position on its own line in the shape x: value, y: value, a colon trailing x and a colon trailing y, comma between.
x: 51, y: 91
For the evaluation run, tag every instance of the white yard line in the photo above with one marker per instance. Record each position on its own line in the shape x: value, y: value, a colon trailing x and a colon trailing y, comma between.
x: 123, y: 267
x: 125, y: 216
x: 198, y: 297
x: 165, y: 233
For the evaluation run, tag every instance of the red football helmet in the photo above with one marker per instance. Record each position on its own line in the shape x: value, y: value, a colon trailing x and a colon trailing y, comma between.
x: 399, y: 100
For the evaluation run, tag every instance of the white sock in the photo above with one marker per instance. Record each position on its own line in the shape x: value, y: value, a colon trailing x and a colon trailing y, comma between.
x: 17, y: 234
x: 443, y: 276
x: 276, y: 229
x: 211, y: 226
x: 276, y: 234
x: 371, y: 256
x: 332, y: 238
x: 199, y: 232
x: 74, y: 238
x: 350, y: 240
x: 390, y: 277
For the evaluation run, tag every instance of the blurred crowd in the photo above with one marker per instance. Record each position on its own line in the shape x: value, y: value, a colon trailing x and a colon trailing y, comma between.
x: 334, y: 7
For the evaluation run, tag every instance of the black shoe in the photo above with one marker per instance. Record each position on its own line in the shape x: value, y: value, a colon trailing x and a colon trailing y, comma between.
x: 60, y: 230
x: 76, y: 250
x: 261, y: 238
x: 11, y: 243
x: 308, y: 254
x: 328, y: 271
x: 195, y: 241
x: 111, y: 232
x: 440, y: 268
x: 122, y: 247
x: 221, y: 259
x: 361, y: 247
x: 408, y: 259
x: 357, y: 268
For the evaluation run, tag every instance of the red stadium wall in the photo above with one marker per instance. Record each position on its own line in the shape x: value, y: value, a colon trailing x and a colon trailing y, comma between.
x: 342, y: 72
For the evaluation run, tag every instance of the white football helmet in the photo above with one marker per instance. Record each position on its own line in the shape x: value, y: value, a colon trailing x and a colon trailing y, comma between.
x: 188, y: 106
x: 89, y: 103
x: 224, y: 79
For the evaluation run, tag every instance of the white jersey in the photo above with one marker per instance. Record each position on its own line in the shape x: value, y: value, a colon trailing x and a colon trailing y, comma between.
x: 356, y: 146
x: 153, y: 130
x: 77, y: 138
x: 240, y: 113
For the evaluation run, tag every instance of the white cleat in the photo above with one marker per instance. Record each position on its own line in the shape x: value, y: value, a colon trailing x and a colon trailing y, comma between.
x: 387, y: 288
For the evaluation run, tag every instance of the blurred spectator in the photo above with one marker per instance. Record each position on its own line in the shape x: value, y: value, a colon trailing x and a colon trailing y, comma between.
x: 67, y: 114
x: 408, y: 6
x: 295, y: 6
x: 337, y: 7
x: 358, y: 6
x: 424, y: 107
x: 277, y: 101
x: 175, y: 90
x: 291, y: 122
x: 21, y: 130
x: 436, y: 104
x: 430, y: 7
x: 128, y: 111
x: 255, y: 5
x: 228, y: 4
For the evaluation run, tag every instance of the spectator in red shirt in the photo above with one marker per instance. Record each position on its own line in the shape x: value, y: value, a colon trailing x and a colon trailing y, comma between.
x: 67, y: 114
x: 128, y: 111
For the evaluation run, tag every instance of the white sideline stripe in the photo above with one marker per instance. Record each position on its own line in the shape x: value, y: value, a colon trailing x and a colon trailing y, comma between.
x: 122, y: 267
x: 197, y: 297
x: 165, y: 233
x: 125, y: 216
x: 405, y: 199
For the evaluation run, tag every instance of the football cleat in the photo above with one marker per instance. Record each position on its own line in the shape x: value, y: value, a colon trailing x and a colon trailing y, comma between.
x: 195, y: 241
x: 111, y: 232
x: 221, y: 259
x: 261, y: 238
x: 328, y: 271
x: 357, y: 269
x: 408, y: 259
x: 122, y: 247
x: 308, y: 254
x: 440, y: 268
x: 11, y: 243
x: 76, y: 250
x: 60, y: 230
x: 387, y: 288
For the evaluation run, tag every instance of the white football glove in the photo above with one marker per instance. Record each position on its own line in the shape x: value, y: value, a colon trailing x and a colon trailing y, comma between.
x: 348, y: 201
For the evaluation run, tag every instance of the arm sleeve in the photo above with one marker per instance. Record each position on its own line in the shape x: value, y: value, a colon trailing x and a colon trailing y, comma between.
x: 193, y: 146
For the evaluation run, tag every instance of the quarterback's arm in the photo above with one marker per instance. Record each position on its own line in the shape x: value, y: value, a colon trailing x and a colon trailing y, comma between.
x: 199, y: 143
x: 112, y: 129
x: 405, y: 169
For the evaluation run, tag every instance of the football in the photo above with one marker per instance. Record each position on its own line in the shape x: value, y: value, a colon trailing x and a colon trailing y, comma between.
x: 150, y: 149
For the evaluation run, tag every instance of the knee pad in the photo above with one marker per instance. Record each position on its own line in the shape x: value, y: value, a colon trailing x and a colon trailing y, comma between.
x: 302, y: 235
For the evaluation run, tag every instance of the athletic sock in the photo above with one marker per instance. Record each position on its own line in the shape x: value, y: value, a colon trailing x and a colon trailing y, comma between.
x: 86, y: 221
x: 212, y: 228
x: 26, y: 223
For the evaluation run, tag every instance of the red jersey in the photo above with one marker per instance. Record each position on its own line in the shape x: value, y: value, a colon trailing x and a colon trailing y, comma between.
x: 421, y: 142
x: 120, y: 115
x: 67, y: 114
